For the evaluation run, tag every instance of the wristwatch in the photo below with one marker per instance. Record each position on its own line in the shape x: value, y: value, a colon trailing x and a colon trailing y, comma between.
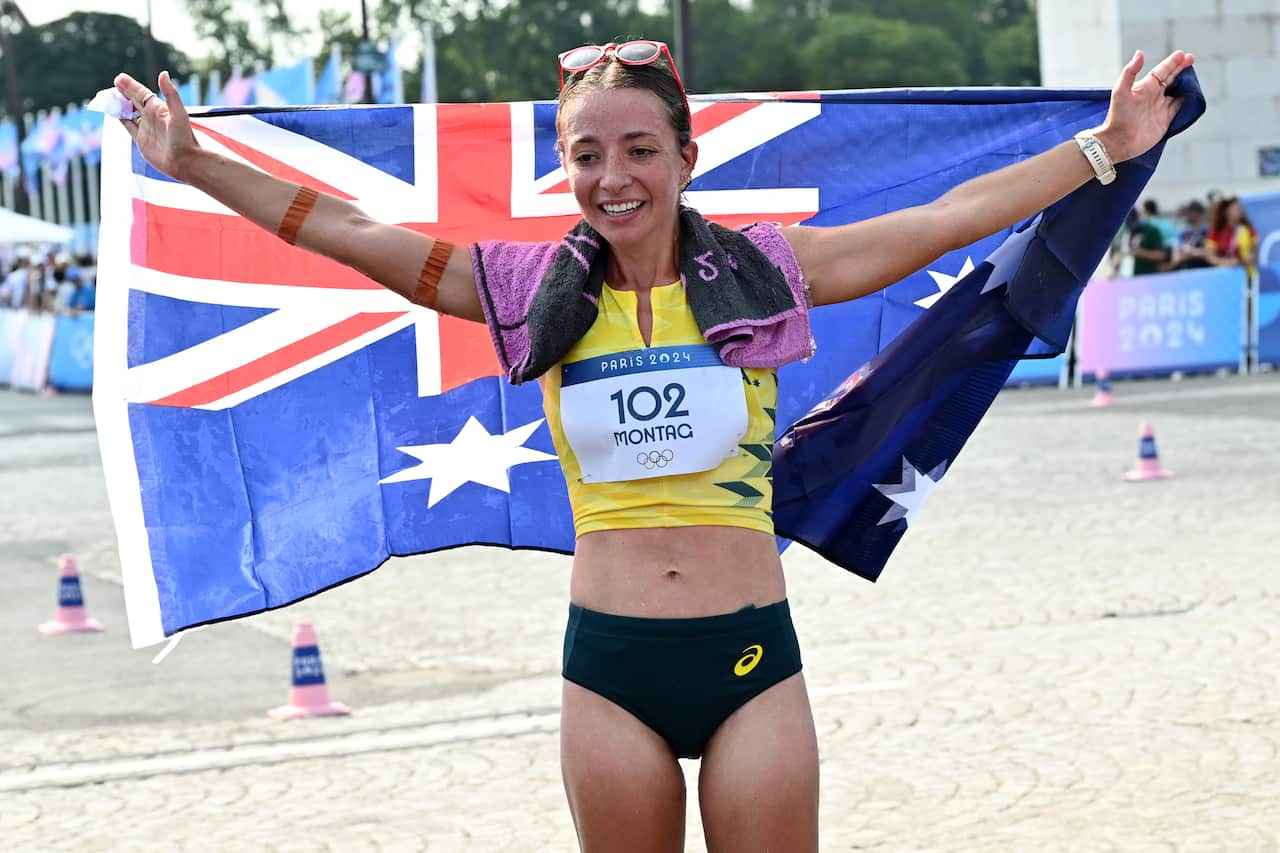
x: 1097, y: 156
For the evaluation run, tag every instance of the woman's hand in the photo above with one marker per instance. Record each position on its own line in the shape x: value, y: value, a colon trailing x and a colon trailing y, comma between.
x: 163, y: 131
x: 1140, y: 112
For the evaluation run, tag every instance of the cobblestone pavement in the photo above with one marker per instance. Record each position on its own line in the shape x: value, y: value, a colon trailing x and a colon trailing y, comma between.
x: 1055, y: 660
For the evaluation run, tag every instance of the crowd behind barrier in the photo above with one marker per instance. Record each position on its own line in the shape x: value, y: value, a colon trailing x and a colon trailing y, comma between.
x: 46, y: 320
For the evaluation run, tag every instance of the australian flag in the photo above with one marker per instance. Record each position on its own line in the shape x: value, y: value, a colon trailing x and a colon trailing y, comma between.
x: 273, y: 423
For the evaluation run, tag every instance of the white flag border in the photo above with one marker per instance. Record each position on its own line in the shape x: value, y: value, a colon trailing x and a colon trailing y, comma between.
x: 110, y: 406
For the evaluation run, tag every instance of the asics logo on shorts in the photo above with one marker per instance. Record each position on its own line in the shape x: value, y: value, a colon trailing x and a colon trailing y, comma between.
x: 751, y: 656
x: 655, y: 459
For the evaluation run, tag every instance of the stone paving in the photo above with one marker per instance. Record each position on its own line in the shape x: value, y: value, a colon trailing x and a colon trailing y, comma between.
x: 1055, y: 660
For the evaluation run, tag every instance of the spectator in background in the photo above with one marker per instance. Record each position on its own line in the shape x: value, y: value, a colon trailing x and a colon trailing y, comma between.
x: 1147, y: 242
x: 1192, y: 251
x: 1233, y: 241
x: 87, y: 286
x: 67, y: 278
x: 13, y: 292
x: 1167, y: 229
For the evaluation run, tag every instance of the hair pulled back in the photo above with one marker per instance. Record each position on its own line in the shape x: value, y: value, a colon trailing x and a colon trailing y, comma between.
x: 655, y: 77
x: 1219, y: 215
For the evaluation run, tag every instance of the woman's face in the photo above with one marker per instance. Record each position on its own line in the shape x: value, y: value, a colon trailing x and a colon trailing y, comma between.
x: 1234, y: 213
x: 624, y: 163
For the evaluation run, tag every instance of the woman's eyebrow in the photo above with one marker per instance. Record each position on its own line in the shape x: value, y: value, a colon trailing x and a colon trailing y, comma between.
x: 587, y: 139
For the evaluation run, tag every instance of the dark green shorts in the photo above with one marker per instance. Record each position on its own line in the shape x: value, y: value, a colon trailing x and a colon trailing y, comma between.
x: 681, y: 677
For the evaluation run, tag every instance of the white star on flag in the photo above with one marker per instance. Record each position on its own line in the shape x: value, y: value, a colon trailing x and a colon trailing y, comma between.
x: 945, y: 282
x: 474, y: 456
x: 909, y: 495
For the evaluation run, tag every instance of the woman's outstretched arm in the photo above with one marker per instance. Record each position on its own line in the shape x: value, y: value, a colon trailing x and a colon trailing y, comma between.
x: 389, y: 254
x: 848, y: 261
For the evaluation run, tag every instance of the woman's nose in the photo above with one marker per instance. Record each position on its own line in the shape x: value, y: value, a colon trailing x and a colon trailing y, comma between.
x: 615, y: 175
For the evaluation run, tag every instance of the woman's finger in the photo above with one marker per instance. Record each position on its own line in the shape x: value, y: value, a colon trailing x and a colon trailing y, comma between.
x: 1130, y: 72
x: 124, y: 83
x: 1168, y: 68
x: 171, y: 96
x: 132, y: 89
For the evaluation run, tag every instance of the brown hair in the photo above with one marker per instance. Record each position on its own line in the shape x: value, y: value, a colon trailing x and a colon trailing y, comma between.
x: 1218, y: 216
x: 654, y: 77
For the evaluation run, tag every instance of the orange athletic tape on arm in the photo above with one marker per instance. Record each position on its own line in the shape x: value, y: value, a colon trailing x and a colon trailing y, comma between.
x: 297, y: 212
x: 432, y: 271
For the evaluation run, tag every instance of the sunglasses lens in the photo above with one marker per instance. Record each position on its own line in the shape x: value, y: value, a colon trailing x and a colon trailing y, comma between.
x: 638, y: 51
x: 580, y: 58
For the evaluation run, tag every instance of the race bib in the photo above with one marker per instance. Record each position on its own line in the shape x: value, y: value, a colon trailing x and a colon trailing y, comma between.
x: 652, y: 412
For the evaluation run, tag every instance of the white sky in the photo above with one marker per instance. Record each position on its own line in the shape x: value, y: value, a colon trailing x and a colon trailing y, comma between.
x: 170, y: 21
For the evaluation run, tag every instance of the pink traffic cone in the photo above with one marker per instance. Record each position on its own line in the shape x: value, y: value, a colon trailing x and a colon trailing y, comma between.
x: 70, y: 617
x: 308, y: 694
x: 1148, y: 465
x: 1102, y: 397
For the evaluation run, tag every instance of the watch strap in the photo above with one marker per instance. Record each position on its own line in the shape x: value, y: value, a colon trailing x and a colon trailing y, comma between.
x: 1096, y: 154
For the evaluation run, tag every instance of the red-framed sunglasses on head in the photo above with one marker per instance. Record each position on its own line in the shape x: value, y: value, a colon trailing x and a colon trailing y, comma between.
x: 639, y: 52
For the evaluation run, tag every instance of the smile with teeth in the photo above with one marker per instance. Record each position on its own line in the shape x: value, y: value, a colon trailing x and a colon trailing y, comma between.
x: 620, y: 208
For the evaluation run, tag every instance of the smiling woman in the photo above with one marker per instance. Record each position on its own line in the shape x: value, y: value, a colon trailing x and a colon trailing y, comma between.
x: 657, y: 337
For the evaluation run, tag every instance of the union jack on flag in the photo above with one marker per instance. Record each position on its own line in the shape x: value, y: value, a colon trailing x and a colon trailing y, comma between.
x: 273, y: 423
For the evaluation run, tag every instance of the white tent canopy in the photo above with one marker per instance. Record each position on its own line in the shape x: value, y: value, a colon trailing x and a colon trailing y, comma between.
x: 16, y: 228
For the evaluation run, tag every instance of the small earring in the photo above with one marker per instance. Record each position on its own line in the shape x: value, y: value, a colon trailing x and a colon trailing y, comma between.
x: 684, y: 185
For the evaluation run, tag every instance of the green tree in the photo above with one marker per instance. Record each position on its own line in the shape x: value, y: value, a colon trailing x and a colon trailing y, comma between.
x: 495, y: 50
x: 67, y: 60
x: 970, y: 25
x: 238, y: 40
x: 509, y: 52
x: 860, y: 51
x: 1013, y: 54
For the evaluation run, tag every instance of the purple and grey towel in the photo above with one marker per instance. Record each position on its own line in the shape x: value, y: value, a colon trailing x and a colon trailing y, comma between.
x: 744, y: 287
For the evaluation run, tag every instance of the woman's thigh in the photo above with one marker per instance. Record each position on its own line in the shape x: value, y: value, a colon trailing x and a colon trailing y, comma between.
x: 626, y: 790
x: 758, y: 788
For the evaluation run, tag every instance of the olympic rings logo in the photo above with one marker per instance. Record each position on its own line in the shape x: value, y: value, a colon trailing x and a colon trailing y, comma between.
x: 655, y: 459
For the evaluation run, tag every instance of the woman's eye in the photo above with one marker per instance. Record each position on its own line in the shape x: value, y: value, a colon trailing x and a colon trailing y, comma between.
x: 642, y: 152
x: 584, y: 157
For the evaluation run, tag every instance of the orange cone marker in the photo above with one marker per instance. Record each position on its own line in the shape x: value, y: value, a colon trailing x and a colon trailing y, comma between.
x: 70, y: 617
x: 308, y: 693
x: 1148, y: 465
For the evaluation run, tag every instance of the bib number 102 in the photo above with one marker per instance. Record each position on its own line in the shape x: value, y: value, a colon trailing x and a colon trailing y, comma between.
x: 644, y: 403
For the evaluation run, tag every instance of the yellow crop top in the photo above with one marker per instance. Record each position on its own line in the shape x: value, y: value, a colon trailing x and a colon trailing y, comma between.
x: 633, y: 412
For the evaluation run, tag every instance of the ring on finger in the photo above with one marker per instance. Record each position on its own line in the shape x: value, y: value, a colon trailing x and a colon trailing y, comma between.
x: 142, y: 106
x: 1163, y: 84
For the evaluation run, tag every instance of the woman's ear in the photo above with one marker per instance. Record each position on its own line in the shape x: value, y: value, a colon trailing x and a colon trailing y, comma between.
x: 690, y: 156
